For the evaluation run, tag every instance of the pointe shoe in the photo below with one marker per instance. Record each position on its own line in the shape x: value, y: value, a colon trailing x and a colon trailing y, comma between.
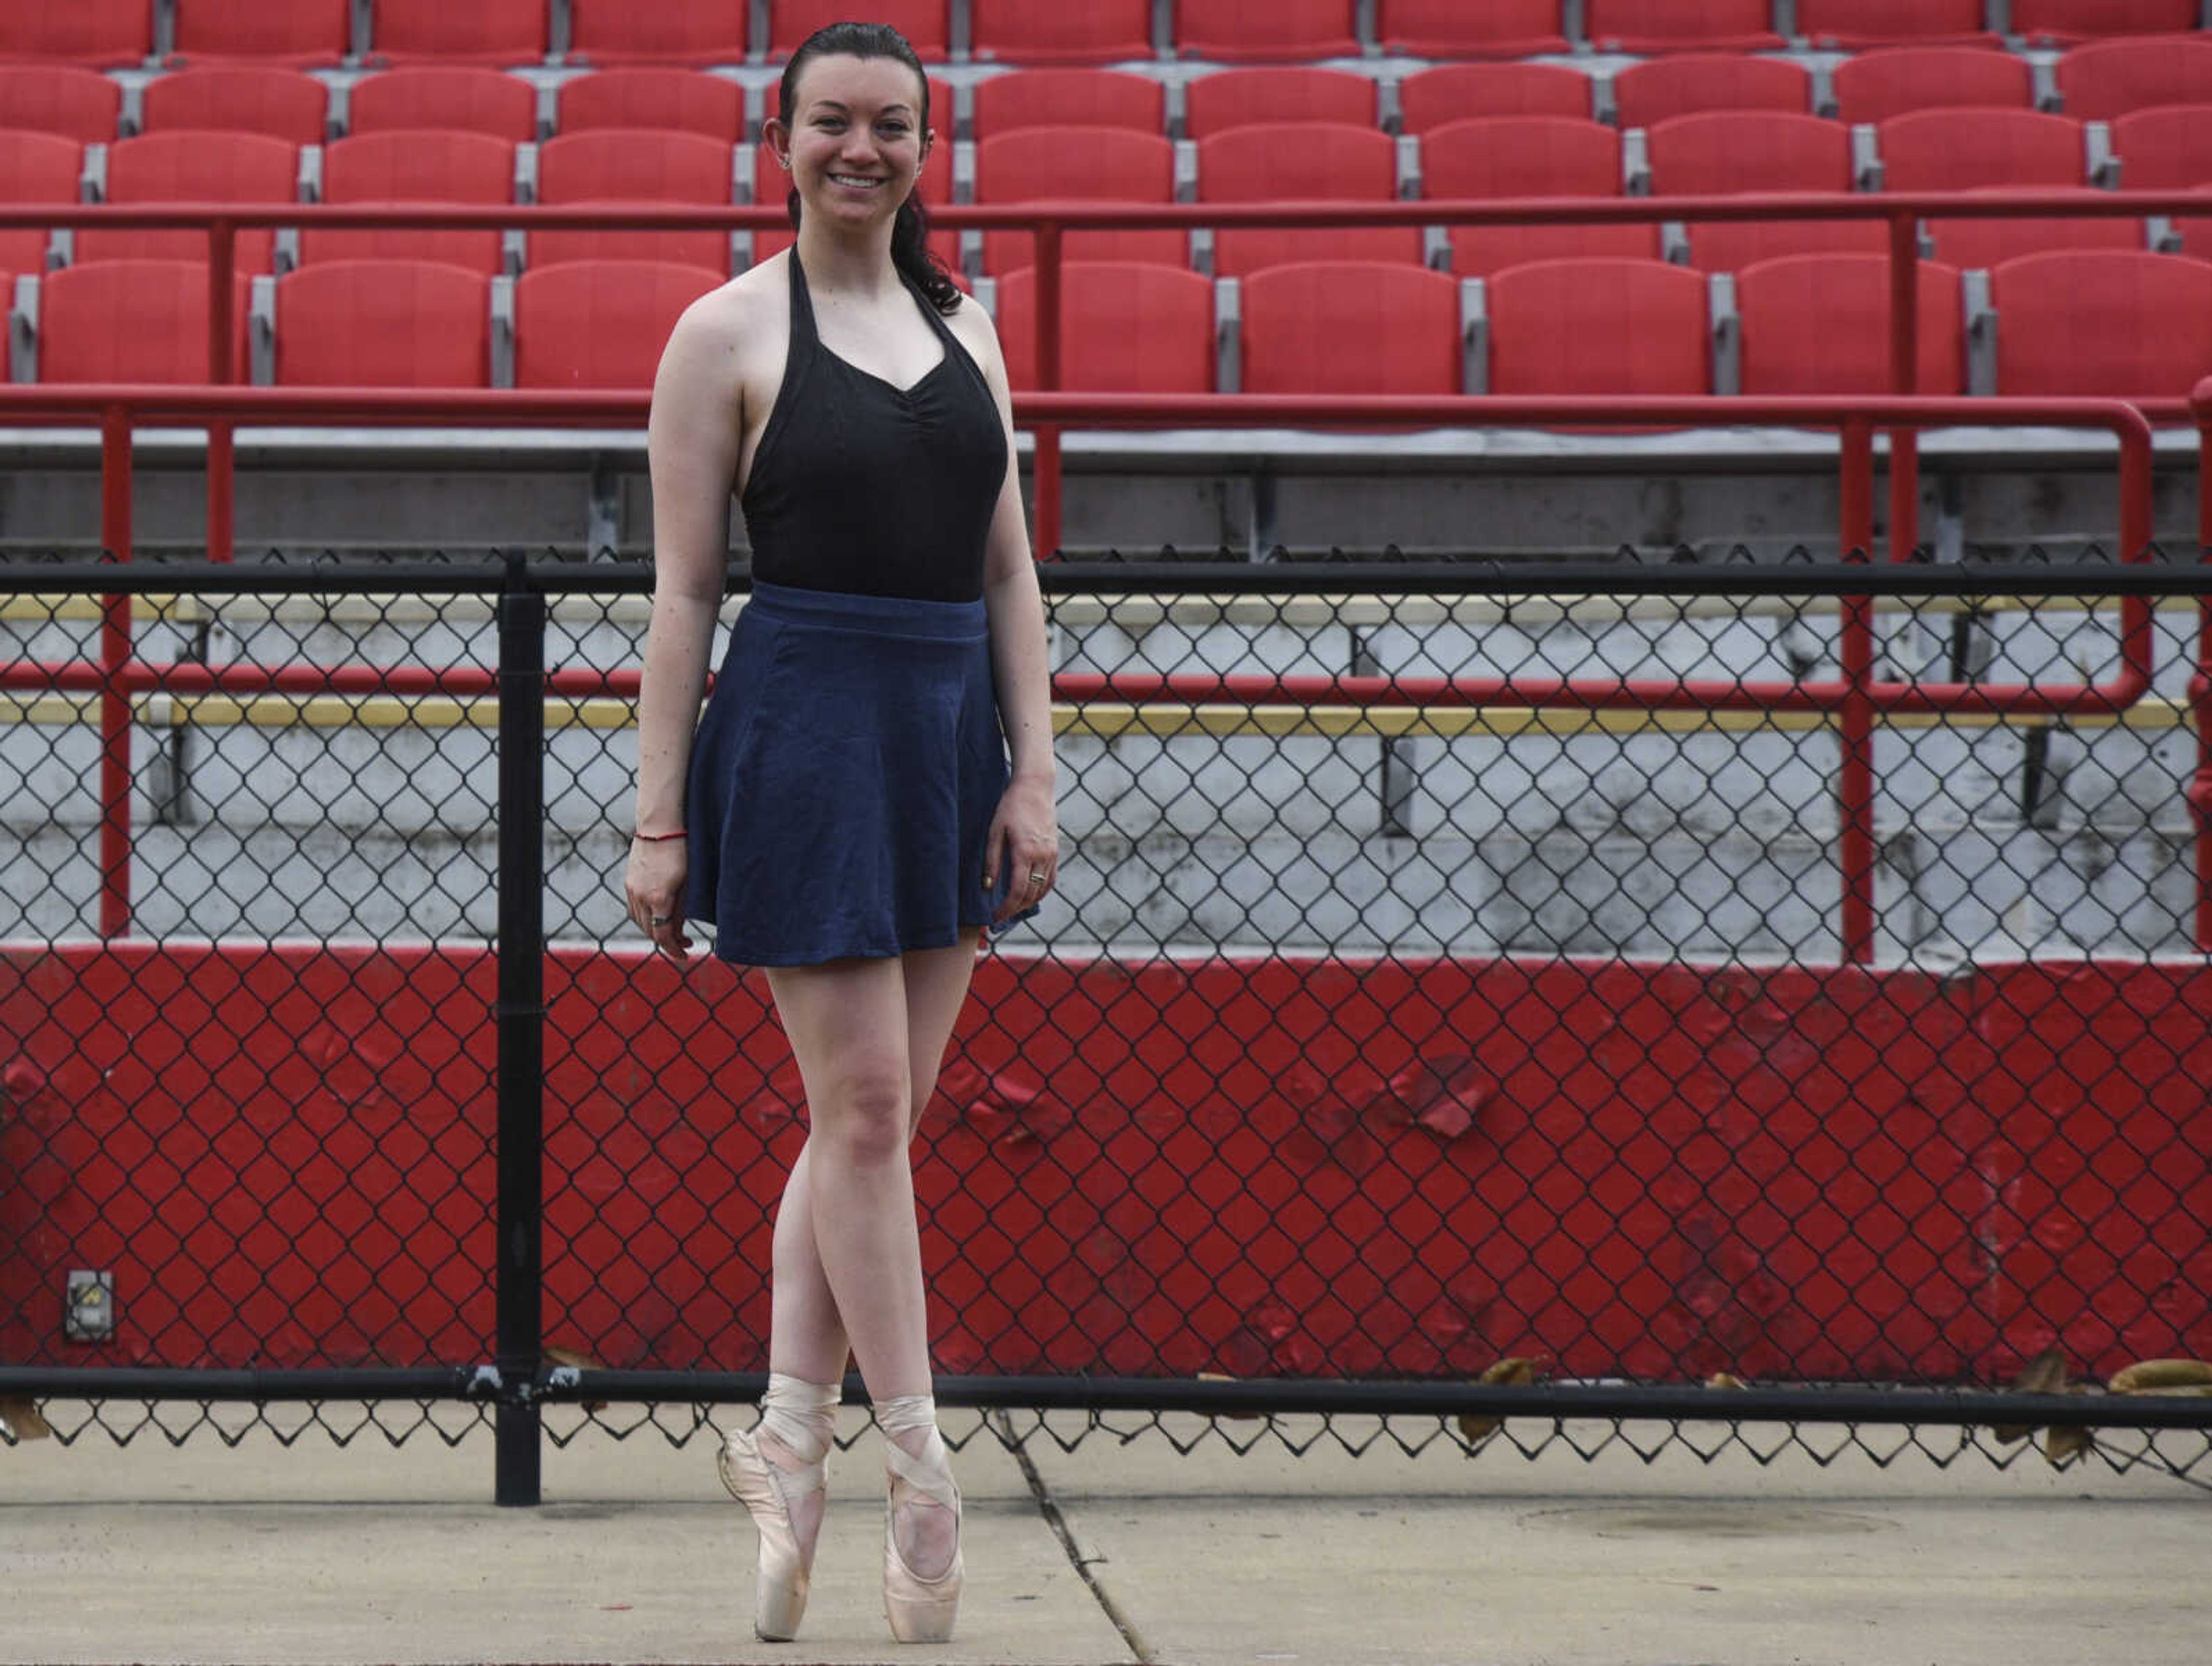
x: 919, y: 1610
x: 767, y: 1490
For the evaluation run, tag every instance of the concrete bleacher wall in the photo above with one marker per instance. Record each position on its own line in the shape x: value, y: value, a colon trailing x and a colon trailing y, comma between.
x: 1543, y: 835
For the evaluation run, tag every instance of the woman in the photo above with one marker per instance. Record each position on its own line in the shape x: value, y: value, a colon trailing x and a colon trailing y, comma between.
x: 845, y: 814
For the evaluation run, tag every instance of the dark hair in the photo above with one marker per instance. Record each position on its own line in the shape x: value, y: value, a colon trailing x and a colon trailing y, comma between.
x: 910, y: 251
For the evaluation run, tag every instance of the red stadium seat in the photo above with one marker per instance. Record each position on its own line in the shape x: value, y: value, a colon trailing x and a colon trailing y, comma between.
x: 1086, y: 164
x: 238, y: 98
x: 1530, y: 156
x: 406, y: 166
x: 1739, y: 150
x: 682, y: 100
x: 60, y: 99
x: 632, y: 165
x: 39, y: 168
x: 2197, y: 229
x: 1819, y: 324
x: 1992, y: 149
x: 923, y: 23
x: 1692, y: 83
x: 600, y: 324
x: 1599, y: 326
x: 481, y: 32
x: 132, y: 321
x: 1068, y: 97
x: 1243, y: 98
x: 1462, y: 92
x: 188, y: 166
x: 1875, y: 86
x: 455, y: 97
x: 1452, y: 28
x: 1298, y: 159
x: 2063, y: 22
x: 667, y: 32
x: 2120, y: 324
x: 383, y: 324
x: 299, y: 32
x: 1852, y: 26
x: 99, y: 34
x: 2165, y: 149
x: 1675, y: 26
x: 1129, y: 328
x: 1023, y: 31
x: 2109, y: 78
x: 1233, y: 31
x: 1351, y: 327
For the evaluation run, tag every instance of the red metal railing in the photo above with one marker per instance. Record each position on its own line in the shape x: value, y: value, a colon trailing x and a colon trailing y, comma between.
x: 1855, y: 699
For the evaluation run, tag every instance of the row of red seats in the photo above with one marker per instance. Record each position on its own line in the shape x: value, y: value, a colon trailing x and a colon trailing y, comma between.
x: 2095, y: 82
x: 1713, y: 154
x: 119, y: 32
x: 2095, y: 324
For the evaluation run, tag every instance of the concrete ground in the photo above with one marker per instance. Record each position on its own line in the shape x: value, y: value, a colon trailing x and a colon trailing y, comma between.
x: 1120, y: 1551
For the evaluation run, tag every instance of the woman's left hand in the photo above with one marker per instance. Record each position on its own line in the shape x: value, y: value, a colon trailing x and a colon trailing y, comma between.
x: 1026, y: 839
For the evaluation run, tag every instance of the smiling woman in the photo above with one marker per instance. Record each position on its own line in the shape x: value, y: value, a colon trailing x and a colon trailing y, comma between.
x: 843, y: 812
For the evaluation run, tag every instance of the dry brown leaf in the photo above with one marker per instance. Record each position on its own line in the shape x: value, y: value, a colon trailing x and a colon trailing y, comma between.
x: 1725, y: 1379
x: 20, y: 1417
x: 1223, y: 1377
x: 2044, y: 1374
x: 2065, y: 1442
x: 2160, y: 1374
x: 569, y: 1356
x: 1513, y: 1371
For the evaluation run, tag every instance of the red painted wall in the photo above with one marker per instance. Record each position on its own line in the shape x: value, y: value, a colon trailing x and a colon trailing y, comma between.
x: 1262, y: 1167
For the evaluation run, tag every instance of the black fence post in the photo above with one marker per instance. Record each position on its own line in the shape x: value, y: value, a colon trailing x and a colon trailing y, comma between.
x: 521, y: 1012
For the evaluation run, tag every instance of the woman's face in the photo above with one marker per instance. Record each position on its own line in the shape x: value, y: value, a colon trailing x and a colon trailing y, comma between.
x: 855, y: 145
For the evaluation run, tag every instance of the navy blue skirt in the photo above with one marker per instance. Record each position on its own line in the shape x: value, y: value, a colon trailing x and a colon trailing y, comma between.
x: 843, y: 778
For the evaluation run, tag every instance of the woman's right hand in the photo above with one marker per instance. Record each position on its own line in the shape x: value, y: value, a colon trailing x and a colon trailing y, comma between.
x: 654, y: 885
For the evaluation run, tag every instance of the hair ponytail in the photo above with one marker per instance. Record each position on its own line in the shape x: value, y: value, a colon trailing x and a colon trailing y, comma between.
x: 910, y: 252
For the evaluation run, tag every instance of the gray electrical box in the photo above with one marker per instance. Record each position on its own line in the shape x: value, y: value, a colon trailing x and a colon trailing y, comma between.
x: 88, y: 1315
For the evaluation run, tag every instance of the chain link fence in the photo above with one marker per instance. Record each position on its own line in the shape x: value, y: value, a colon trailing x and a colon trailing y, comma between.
x: 1451, y: 1008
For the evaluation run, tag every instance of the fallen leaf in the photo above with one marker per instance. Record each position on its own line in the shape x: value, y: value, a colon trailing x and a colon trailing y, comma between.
x: 569, y: 1356
x: 21, y: 1420
x: 1512, y: 1372
x: 2044, y: 1374
x: 2160, y: 1374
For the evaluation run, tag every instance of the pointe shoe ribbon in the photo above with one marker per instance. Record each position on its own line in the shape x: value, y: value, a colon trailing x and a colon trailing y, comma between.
x: 920, y: 1610
x: 768, y: 1491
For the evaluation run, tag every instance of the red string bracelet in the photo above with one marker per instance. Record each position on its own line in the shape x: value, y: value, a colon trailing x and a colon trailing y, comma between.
x: 655, y: 838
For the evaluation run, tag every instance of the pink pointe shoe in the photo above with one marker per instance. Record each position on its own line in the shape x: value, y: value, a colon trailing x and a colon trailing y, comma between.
x: 920, y: 1610
x: 768, y: 1491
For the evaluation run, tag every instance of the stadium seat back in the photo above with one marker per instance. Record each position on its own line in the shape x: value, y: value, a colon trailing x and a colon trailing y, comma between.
x: 1465, y: 91
x: 383, y: 324
x: 1244, y: 98
x: 1599, y: 326
x: 1969, y: 245
x: 1666, y: 26
x: 2165, y: 149
x: 97, y: 34
x: 1530, y: 156
x: 1452, y: 28
x: 455, y: 97
x: 481, y: 32
x: 1690, y: 83
x: 1855, y: 25
x: 2109, y: 78
x: 629, y: 165
x: 1290, y: 160
x: 1351, y: 327
x: 1963, y: 149
x: 1873, y: 86
x: 415, y: 166
x: 1233, y: 31
x: 681, y: 100
x: 194, y: 166
x: 298, y: 33
x: 60, y: 99
x: 132, y: 321
x: 1732, y: 150
x: 1087, y: 164
x: 238, y: 98
x: 685, y: 31
x: 2063, y: 22
x: 923, y: 23
x: 42, y: 168
x: 1066, y: 97
x: 1819, y: 324
x: 1128, y: 328
x: 2106, y: 323
x: 600, y: 324
x: 1096, y: 32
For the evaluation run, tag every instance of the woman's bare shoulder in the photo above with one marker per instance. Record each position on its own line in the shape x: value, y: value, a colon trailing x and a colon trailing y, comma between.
x: 973, y: 327
x: 737, y: 320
